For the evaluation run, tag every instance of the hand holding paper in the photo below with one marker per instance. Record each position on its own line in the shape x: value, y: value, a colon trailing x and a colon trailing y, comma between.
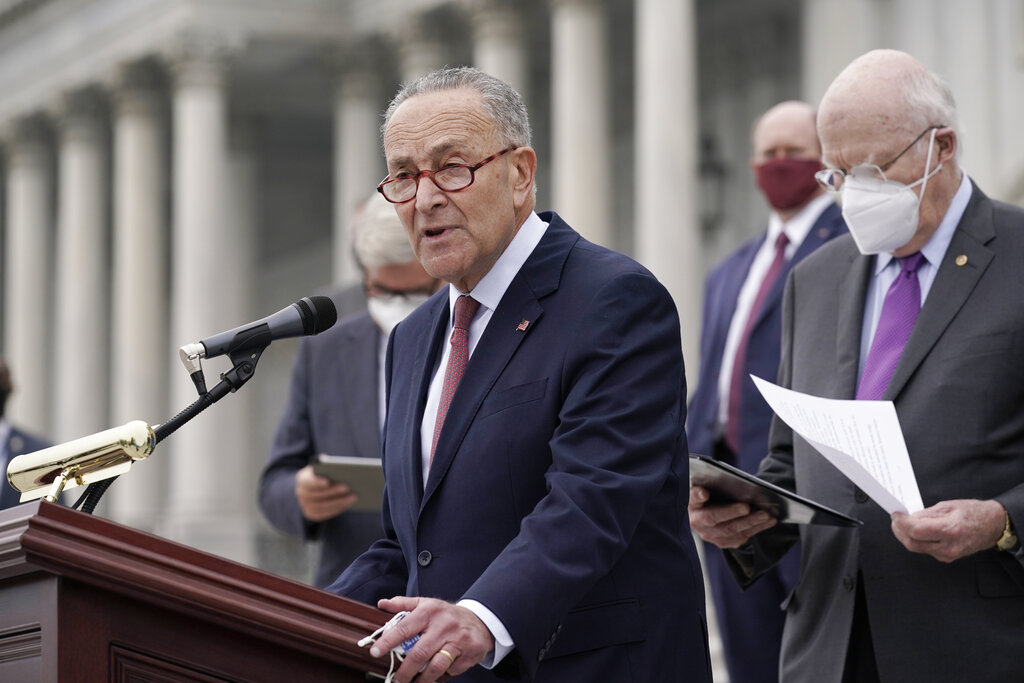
x: 862, y: 439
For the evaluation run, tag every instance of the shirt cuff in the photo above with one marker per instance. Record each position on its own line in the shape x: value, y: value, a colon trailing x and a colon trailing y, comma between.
x: 502, y: 640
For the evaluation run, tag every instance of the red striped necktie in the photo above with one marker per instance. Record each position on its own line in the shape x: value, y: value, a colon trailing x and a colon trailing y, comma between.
x: 739, y: 374
x: 465, y: 308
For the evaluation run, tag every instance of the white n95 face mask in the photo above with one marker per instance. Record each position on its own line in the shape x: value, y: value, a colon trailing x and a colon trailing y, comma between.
x: 388, y: 311
x: 882, y: 215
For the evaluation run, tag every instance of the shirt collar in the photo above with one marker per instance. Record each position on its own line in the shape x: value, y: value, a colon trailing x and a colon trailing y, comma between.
x: 799, y: 225
x: 935, y: 248
x: 492, y: 286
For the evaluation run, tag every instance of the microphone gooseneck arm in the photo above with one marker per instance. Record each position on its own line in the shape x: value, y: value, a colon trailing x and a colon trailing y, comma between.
x: 243, y: 345
x: 244, y: 359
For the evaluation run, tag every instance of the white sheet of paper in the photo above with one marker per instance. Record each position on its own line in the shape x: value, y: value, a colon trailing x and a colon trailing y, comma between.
x: 862, y: 439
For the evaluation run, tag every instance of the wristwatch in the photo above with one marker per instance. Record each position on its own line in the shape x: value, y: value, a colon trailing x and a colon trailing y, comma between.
x: 1008, y: 541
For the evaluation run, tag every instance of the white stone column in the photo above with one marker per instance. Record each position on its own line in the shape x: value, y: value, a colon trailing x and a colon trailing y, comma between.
x: 834, y: 33
x: 358, y: 160
x: 581, y: 137
x: 83, y: 283
x: 208, y: 472
x: 667, y: 221
x: 1008, y: 98
x: 28, y: 273
x: 975, y: 79
x: 667, y: 157
x: 140, y: 351
x: 420, y: 49
x: 916, y: 27
x: 237, y: 412
x: 498, y: 40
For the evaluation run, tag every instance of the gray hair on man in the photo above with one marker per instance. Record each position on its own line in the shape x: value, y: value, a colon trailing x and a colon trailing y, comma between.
x: 929, y: 97
x: 501, y: 101
x: 920, y: 98
x: 379, y: 238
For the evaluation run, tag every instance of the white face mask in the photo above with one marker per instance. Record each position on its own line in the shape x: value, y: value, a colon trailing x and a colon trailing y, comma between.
x: 388, y: 311
x: 882, y: 215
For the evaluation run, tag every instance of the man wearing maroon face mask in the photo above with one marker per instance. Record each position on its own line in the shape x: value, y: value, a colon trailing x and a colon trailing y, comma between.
x: 740, y: 336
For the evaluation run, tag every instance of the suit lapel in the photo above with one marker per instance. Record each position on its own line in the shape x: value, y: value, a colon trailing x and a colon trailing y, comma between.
x: 493, y: 353
x: 952, y: 287
x: 818, y: 235
x: 363, y: 416
x: 824, y: 229
x: 734, y: 284
x: 505, y: 332
x: 423, y: 369
x: 853, y: 289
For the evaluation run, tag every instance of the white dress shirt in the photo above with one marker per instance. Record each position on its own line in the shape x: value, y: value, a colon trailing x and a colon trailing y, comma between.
x: 887, y: 268
x: 488, y: 292
x: 796, y: 229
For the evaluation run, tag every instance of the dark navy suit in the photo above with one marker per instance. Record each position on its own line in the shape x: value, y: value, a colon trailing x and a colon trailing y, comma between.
x: 750, y: 622
x: 332, y: 409
x: 18, y: 443
x: 557, y: 494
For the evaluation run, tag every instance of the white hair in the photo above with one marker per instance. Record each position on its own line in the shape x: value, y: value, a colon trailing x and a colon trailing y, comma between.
x: 929, y: 102
x: 379, y: 238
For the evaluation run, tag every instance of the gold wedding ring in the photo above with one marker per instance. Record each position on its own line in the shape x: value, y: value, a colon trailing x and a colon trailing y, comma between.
x: 447, y: 654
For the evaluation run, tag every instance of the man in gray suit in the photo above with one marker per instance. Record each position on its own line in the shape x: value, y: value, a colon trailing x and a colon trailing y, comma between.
x: 937, y: 595
x: 336, y: 405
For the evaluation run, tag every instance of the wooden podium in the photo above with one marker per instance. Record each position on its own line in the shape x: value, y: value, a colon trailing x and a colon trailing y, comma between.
x: 86, y: 600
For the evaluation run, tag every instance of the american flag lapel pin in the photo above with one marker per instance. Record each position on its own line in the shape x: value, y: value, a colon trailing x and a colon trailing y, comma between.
x: 521, y: 327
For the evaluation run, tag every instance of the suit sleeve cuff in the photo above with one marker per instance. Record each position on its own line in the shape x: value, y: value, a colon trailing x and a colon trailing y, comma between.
x: 502, y: 640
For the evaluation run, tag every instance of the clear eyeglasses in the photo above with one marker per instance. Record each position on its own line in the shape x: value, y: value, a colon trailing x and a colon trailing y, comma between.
x: 832, y: 178
x: 450, y: 179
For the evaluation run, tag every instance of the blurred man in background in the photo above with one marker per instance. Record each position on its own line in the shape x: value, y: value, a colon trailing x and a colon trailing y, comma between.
x: 13, y: 441
x: 336, y: 404
x: 740, y: 336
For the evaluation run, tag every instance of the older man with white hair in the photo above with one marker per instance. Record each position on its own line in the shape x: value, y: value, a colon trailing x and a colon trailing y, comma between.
x: 336, y: 405
x: 922, y: 306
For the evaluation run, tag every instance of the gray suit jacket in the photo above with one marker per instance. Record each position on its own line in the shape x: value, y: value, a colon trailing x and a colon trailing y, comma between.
x: 332, y: 409
x: 959, y: 394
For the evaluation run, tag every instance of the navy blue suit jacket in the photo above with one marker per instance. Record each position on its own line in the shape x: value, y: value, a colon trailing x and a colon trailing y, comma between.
x: 750, y: 622
x: 557, y: 496
x: 18, y: 443
x: 721, y: 291
x: 332, y: 409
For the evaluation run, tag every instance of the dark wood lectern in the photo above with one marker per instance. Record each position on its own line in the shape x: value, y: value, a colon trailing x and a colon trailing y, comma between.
x: 86, y: 600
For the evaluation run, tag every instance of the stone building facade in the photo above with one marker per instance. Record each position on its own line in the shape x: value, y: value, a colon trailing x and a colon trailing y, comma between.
x: 174, y: 168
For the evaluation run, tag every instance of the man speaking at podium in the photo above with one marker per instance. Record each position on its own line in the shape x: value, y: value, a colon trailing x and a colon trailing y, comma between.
x: 533, y: 448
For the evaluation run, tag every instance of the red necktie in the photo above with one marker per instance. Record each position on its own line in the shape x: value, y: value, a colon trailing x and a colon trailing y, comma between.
x: 465, y: 309
x: 899, y: 313
x: 732, y: 423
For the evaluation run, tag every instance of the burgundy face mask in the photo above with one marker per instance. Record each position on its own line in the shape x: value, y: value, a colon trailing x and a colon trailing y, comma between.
x: 787, y: 183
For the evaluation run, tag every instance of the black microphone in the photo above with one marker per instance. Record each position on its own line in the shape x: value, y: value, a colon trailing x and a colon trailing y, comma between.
x: 308, y: 315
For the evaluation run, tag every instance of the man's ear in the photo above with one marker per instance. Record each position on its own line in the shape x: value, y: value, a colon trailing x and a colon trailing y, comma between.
x: 524, y: 168
x: 947, y: 142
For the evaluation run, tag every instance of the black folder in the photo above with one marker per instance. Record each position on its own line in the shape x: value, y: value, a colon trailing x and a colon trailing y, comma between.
x: 727, y: 484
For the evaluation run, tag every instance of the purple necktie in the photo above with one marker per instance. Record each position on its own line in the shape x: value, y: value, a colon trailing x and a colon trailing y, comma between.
x: 465, y: 309
x: 899, y: 313
x: 732, y: 423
